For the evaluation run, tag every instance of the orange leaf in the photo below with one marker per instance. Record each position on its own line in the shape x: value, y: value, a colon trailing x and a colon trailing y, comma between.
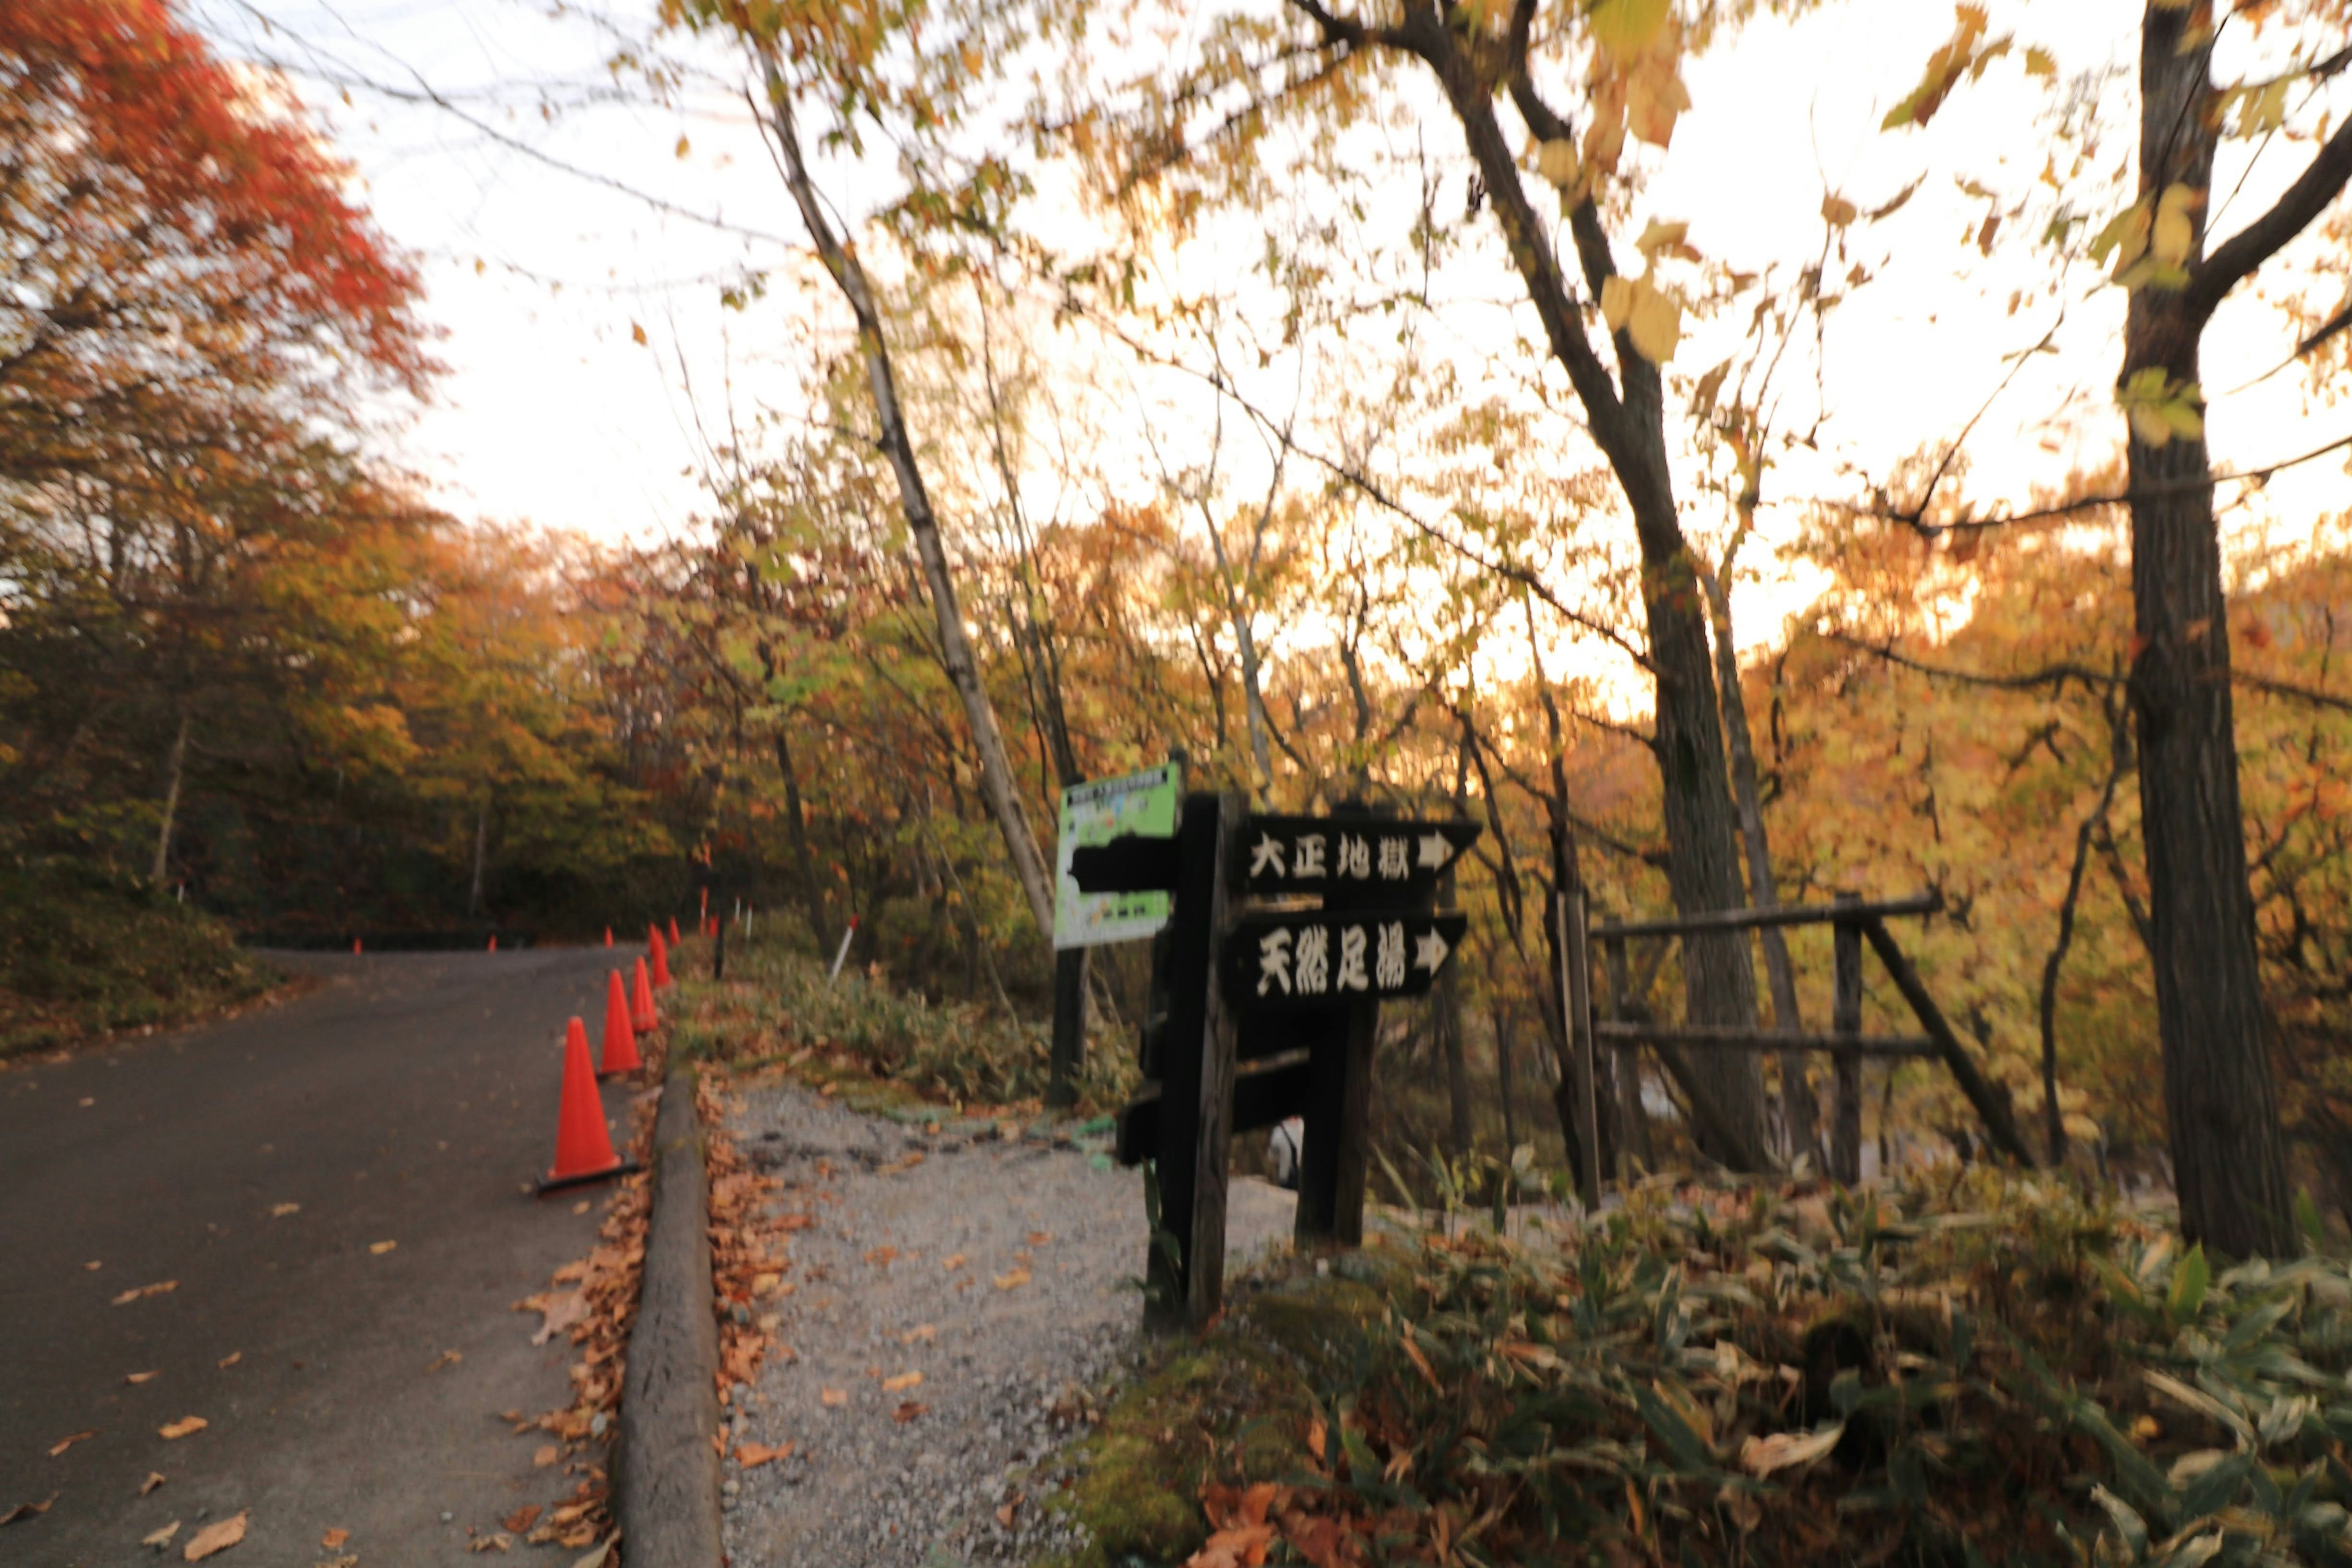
x: 521, y: 1518
x: 160, y: 1288
x: 217, y: 1536
x: 183, y: 1427
x: 908, y: 1410
x: 62, y: 1444
x: 900, y: 1384
x: 334, y: 1539
x: 751, y: 1456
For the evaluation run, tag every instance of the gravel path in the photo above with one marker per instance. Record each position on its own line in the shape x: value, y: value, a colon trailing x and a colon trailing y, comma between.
x: 995, y: 1260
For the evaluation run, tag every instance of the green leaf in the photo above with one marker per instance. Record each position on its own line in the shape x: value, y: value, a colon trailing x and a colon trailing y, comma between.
x: 2190, y: 1276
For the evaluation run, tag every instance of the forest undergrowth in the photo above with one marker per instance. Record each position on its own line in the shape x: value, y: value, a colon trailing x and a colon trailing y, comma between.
x: 1966, y: 1369
x: 82, y: 955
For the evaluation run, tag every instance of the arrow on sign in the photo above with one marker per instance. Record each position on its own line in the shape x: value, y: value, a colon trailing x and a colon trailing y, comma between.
x: 1349, y: 851
x: 1318, y: 959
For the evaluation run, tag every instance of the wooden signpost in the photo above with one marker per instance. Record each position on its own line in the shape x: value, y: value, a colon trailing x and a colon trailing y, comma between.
x: 1259, y: 1014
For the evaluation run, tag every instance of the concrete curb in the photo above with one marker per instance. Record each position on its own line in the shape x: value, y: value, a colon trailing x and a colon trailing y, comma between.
x: 666, y: 1472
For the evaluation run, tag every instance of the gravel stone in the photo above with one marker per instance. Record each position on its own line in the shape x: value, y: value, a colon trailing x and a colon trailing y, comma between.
x: 1009, y: 1374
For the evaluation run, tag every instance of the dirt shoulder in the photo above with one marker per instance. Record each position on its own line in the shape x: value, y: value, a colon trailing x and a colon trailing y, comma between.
x: 958, y: 1293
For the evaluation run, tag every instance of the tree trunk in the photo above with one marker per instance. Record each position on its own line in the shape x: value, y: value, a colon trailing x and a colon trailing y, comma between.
x: 481, y: 846
x: 2228, y: 1155
x: 1800, y: 1114
x: 997, y: 778
x: 174, y: 769
x: 1626, y: 417
x: 804, y: 860
x: 1445, y: 1005
x: 1502, y: 1082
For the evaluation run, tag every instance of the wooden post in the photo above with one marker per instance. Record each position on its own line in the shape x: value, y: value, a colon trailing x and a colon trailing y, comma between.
x: 1631, y: 1114
x: 1069, y: 1028
x: 1576, y: 985
x: 1845, y: 1118
x: 1197, y: 1076
x: 1988, y: 1102
x: 1335, y: 1158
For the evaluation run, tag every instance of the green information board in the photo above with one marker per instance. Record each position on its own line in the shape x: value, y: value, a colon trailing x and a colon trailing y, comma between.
x: 1095, y: 813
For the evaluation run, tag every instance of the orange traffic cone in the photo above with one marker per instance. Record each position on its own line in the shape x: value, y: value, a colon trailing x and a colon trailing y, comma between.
x: 584, y: 1146
x: 494, y: 941
x: 661, y: 963
x: 620, y: 1040
x: 673, y: 931
x: 642, y: 1013
x: 608, y: 936
x: 355, y: 944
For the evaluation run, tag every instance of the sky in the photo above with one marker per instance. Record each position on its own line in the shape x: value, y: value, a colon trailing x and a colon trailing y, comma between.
x: 542, y: 277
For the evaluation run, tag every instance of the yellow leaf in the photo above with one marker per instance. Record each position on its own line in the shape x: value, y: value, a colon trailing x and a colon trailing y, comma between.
x: 636, y: 333
x: 1666, y: 236
x: 900, y: 1384
x: 1839, y: 211
x: 684, y: 147
x: 1762, y: 1455
x: 1628, y: 26
x: 1556, y: 162
x: 161, y: 1537
x: 1655, y: 98
x: 218, y: 1536
x: 1616, y: 301
x: 2041, y: 62
x: 2174, y: 232
x: 184, y: 1425
x: 1013, y: 1281
x: 1655, y: 322
x: 378, y: 1249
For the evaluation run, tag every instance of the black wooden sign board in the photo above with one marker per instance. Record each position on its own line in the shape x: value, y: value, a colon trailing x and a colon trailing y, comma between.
x: 1315, y: 959
x: 1349, y: 852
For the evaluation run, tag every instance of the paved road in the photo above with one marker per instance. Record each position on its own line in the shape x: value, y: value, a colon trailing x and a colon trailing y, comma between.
x: 408, y: 1101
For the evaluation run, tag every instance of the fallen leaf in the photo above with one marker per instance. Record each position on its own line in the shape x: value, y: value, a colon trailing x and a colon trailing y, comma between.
x: 523, y: 1518
x: 62, y: 1444
x: 920, y: 1333
x: 1013, y: 1281
x: 155, y: 1478
x: 765, y: 1284
x: 93, y: 1265
x: 580, y: 1207
x: 279, y: 1211
x: 558, y: 1313
x: 137, y: 1377
x: 908, y: 1410
x: 447, y: 1358
x: 160, y: 1537
x: 27, y: 1510
x: 1315, y: 1436
x: 900, y: 1384
x: 231, y: 1359
x: 218, y: 1536
x: 834, y: 1398
x: 594, y: 1559
x: 380, y: 1247
x: 548, y: 1454
x: 882, y: 1257
x: 1762, y: 1455
x: 333, y: 1539
x: 954, y: 1260
x: 499, y: 1543
x: 1040, y: 1238
x: 1004, y: 1515
x: 160, y: 1288
x: 751, y: 1456
x: 183, y: 1426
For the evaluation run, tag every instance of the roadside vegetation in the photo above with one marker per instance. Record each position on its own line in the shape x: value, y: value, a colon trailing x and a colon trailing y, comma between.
x: 82, y: 956
x: 1972, y: 1370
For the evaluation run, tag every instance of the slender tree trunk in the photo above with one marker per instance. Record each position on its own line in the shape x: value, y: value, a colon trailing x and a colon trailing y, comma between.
x: 997, y: 777
x: 1502, y: 1082
x: 174, y: 769
x: 1800, y: 1114
x: 2228, y: 1155
x: 804, y: 857
x: 1626, y: 417
x: 1446, y: 1010
x: 481, y: 847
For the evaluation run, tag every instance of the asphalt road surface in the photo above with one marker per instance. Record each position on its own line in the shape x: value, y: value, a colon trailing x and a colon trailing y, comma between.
x: 408, y: 1101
